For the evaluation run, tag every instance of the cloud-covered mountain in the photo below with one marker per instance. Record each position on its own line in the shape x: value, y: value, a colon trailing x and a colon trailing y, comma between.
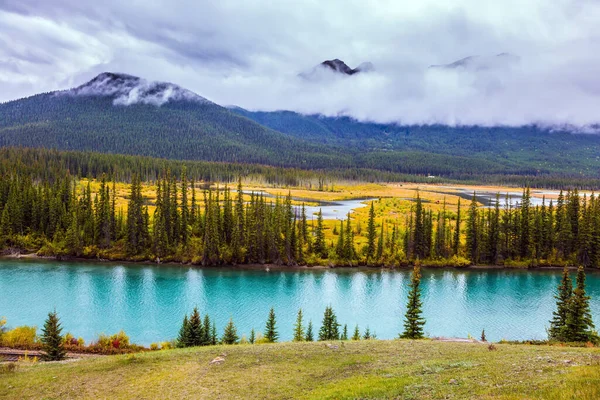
x: 481, y: 63
x: 337, y: 67
x: 128, y: 89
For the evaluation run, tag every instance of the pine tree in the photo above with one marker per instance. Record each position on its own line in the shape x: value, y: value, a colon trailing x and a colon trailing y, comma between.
x: 456, y: 240
x: 367, y: 335
x: 309, y: 332
x: 563, y: 299
x: 52, y: 340
x: 579, y: 326
x: 319, y: 245
x: 213, y: 334
x: 206, y: 334
x: 356, y: 335
x: 230, y: 334
x: 271, y: 334
x: 472, y: 233
x: 195, y: 327
x: 299, y: 328
x: 252, y: 338
x: 184, y: 339
x: 330, y: 327
x: 344, y: 333
x: 483, y: 338
x: 371, y: 234
x: 414, y: 322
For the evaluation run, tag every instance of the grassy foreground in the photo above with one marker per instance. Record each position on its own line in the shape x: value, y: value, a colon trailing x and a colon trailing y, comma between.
x: 366, y: 369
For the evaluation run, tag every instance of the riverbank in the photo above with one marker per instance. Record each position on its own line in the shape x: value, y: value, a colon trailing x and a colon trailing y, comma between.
x: 434, y: 264
x: 374, y: 369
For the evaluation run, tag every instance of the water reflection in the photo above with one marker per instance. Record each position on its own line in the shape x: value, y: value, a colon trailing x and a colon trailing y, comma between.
x: 149, y: 302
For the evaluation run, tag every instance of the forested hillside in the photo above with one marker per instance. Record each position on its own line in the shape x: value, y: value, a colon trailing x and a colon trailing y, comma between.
x: 440, y: 149
x: 117, y: 113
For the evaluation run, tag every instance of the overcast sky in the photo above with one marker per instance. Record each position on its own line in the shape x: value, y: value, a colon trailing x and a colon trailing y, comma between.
x: 249, y: 53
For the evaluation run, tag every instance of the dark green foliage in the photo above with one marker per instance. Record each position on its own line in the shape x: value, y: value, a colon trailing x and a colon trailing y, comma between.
x: 371, y: 234
x: 309, y: 337
x: 483, y: 338
x: 52, y: 339
x: 230, y: 334
x: 184, y: 339
x: 413, y: 320
x: 558, y: 323
x: 356, y: 334
x: 579, y: 326
x: 344, y: 335
x: 367, y: 335
x: 196, y: 328
x: 271, y: 334
x: 299, y: 328
x: 329, y: 327
x: 252, y: 337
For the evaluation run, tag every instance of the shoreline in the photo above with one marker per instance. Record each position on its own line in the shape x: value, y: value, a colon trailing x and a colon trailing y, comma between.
x: 278, y: 267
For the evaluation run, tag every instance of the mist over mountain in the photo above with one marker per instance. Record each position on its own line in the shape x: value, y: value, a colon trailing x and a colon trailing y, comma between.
x: 127, y: 90
x: 329, y: 68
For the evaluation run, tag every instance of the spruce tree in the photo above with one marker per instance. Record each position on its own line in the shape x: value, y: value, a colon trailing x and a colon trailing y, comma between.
x: 344, y: 335
x: 579, y: 326
x: 414, y: 322
x: 271, y: 334
x: 206, y: 333
x: 184, y: 339
x: 356, y: 335
x: 319, y: 245
x: 299, y: 328
x: 213, y: 334
x: 563, y: 299
x: 371, y: 234
x: 367, y: 335
x: 330, y: 327
x: 230, y: 334
x: 252, y: 336
x: 195, y: 327
x: 52, y: 340
x: 309, y: 332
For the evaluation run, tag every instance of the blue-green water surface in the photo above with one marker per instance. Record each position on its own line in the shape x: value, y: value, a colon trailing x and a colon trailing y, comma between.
x: 149, y: 301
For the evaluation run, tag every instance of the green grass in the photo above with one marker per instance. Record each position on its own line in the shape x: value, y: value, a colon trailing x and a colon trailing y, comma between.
x: 366, y: 369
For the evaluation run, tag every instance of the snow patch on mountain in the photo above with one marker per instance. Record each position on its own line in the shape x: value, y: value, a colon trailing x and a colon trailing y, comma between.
x: 128, y: 89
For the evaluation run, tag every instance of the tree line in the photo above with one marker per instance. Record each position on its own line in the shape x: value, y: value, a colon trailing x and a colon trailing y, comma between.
x: 191, y: 222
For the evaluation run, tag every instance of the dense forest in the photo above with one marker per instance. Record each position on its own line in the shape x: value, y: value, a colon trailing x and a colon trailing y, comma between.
x: 44, y: 208
x: 204, y: 131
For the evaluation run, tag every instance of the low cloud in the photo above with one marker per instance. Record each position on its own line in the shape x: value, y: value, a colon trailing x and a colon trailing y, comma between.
x: 250, y: 54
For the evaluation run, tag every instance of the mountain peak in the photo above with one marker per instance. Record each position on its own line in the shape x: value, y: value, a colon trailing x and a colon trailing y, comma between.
x: 336, y: 66
x: 128, y: 89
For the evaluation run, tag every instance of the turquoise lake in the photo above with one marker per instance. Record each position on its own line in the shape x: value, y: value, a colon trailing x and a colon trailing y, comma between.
x: 149, y: 302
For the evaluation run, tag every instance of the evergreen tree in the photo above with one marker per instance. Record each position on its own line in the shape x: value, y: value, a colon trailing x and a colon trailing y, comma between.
x: 356, y: 335
x: 309, y: 332
x: 299, y: 328
x: 271, y: 334
x: 414, y: 322
x: 371, y: 234
x: 456, y: 240
x: 367, y: 335
x: 472, y: 233
x: 330, y: 327
x: 483, y: 338
x: 52, y: 340
x: 252, y: 338
x: 344, y: 333
x: 319, y: 245
x: 230, y: 334
x: 579, y: 326
x: 206, y: 333
x: 213, y: 334
x: 558, y: 323
x: 185, y: 338
x: 195, y: 327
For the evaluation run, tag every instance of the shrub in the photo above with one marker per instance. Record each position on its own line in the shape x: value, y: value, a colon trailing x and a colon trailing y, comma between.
x: 24, y: 337
x: 167, y: 345
x: 154, y: 346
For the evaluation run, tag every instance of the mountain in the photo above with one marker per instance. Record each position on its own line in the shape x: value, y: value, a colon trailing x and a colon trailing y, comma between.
x: 336, y: 66
x: 481, y: 63
x: 119, y: 113
x: 445, y: 150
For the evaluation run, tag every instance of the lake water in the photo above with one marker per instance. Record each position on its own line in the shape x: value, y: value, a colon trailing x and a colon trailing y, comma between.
x: 149, y: 302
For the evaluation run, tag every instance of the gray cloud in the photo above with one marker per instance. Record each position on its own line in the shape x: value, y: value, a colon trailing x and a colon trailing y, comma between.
x: 249, y: 54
